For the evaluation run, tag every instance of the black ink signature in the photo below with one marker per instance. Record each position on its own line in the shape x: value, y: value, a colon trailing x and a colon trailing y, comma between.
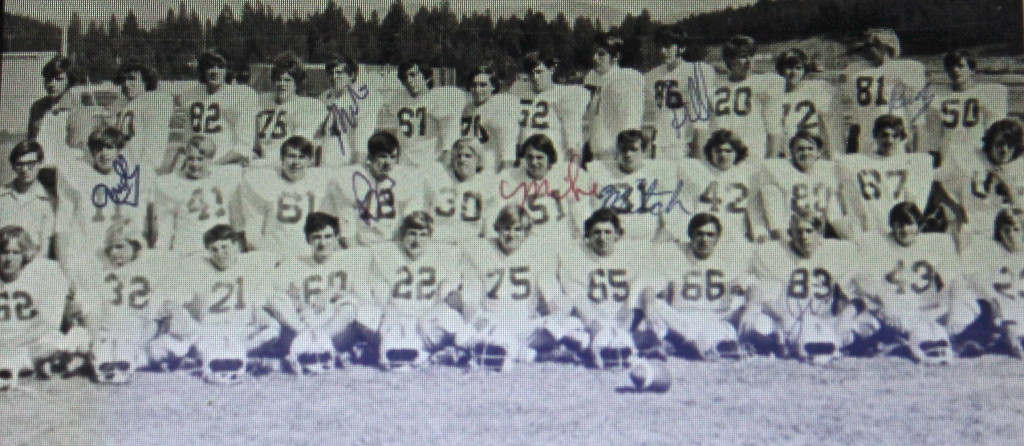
x: 901, y: 100
x: 379, y: 193
x: 650, y: 201
x: 698, y: 108
x: 345, y: 119
x: 125, y: 192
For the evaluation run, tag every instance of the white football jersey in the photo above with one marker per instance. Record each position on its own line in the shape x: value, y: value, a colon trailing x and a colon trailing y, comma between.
x: 679, y: 102
x: 514, y: 285
x: 495, y: 124
x: 997, y: 275
x: 462, y: 210
x: 128, y: 298
x: 983, y: 190
x: 616, y: 104
x: 897, y: 87
x: 556, y: 113
x: 750, y: 108
x: 426, y: 124
x: 808, y: 107
x: 909, y: 277
x: 786, y: 190
x: 235, y: 297
x: 410, y: 287
x: 370, y: 210
x: 318, y: 290
x: 276, y: 122
x: 34, y: 210
x: 728, y: 194
x: 274, y: 209
x: 963, y: 117
x: 227, y: 116
x: 146, y: 121
x: 351, y: 120
x: 874, y: 184
x: 631, y: 195
x: 187, y: 208
x: 711, y: 284
x: 557, y: 204
x: 34, y: 303
x: 603, y: 289
x: 794, y: 286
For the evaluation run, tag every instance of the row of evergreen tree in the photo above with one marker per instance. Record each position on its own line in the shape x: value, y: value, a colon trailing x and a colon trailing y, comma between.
x: 439, y: 36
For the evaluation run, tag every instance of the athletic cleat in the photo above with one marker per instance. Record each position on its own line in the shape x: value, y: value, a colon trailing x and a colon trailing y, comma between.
x: 451, y: 356
x: 729, y: 350
x: 819, y: 353
x: 8, y: 380
x: 225, y: 371
x: 614, y: 358
x: 314, y: 363
x: 489, y: 356
x: 936, y: 352
x: 114, y: 372
x: 400, y: 358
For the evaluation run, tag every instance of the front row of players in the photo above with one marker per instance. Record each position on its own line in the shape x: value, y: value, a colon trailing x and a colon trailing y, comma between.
x: 514, y: 302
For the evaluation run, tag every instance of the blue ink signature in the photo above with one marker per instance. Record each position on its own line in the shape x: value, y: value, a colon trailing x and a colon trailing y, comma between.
x: 345, y: 119
x: 618, y: 198
x: 381, y: 193
x: 698, y: 108
x: 900, y: 99
x: 125, y: 192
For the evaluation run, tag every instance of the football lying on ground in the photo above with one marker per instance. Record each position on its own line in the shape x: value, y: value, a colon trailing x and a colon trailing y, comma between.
x: 651, y: 376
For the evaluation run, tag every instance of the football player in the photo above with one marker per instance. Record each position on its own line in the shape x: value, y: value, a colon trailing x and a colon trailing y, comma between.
x: 997, y: 276
x: 510, y: 295
x: 617, y: 99
x: 143, y: 115
x: 882, y: 84
x: 491, y: 118
x: 371, y: 198
x: 352, y: 111
x: 225, y: 315
x: 58, y: 121
x: 672, y: 93
x: 428, y: 118
x: 24, y: 201
x: 285, y: 113
x: 223, y: 112
x: 317, y: 296
x: 459, y: 196
x: 34, y: 291
x: 806, y: 103
x: 874, y: 182
x: 746, y: 103
x: 92, y: 196
x: 914, y: 278
x: 414, y: 283
x: 274, y: 202
x: 555, y: 110
x: 195, y: 198
x: 603, y: 281
x: 704, y: 289
x: 626, y: 185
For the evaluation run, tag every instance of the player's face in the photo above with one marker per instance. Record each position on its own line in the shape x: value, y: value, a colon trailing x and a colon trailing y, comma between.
x: 905, y: 234
x: 380, y: 166
x: 805, y: 237
x: 510, y: 238
x: 1010, y: 235
x: 103, y: 159
x: 541, y: 78
x: 324, y: 242
x: 284, y: 87
x: 1001, y: 152
x: 481, y: 88
x: 804, y: 153
x: 602, y: 238
x: 631, y: 157
x: 724, y: 156
x: 224, y: 253
x: 739, y: 67
x: 414, y: 241
x: 670, y: 52
x: 134, y: 85
x: 464, y: 162
x: 341, y: 78
x: 537, y: 163
x: 889, y: 141
x: 415, y: 82
x: 57, y: 85
x: 216, y: 76
x: 960, y: 74
x: 704, y: 239
x: 794, y: 74
x: 120, y: 253
x: 197, y: 164
x: 11, y: 260
x: 603, y: 61
x: 294, y: 163
x: 26, y: 169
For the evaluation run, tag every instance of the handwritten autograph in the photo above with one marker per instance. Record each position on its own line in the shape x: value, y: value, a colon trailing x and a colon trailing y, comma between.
x: 126, y: 191
x: 530, y: 189
x: 901, y: 99
x: 345, y: 119
x: 619, y: 199
x: 380, y: 194
x: 698, y: 107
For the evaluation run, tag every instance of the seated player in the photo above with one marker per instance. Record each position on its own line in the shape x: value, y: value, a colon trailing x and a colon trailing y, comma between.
x: 225, y: 113
x: 803, y: 294
x: 414, y: 282
x: 704, y: 289
x: 459, y: 195
x: 915, y: 280
x: 806, y: 103
x: 317, y: 296
x: 274, y: 202
x: 427, y: 118
x: 996, y: 275
x: 555, y: 192
x: 554, y: 110
x: 143, y: 115
x: 195, y: 198
x: 370, y: 199
x: 874, y: 182
x: 285, y: 113
x: 24, y: 201
x: 491, y: 118
x: 106, y: 190
x: 35, y: 291
x: 352, y: 111
x: 617, y: 99
x: 602, y: 281
x: 225, y: 315
x: 512, y: 296
x: 627, y: 183
x: 747, y: 104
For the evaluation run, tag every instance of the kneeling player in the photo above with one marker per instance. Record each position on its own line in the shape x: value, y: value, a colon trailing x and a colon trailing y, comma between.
x: 704, y: 290
x: 317, y: 296
x: 414, y: 283
x: 997, y: 276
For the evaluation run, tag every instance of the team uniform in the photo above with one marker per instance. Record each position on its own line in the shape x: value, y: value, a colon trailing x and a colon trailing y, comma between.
x: 187, y: 208
x: 728, y: 194
x: 671, y: 103
x: 808, y: 107
x: 997, y: 276
x: 982, y: 189
x: 785, y: 190
x: 961, y: 118
x: 371, y: 210
x: 146, y: 122
x: 750, y: 108
x: 556, y: 113
x: 462, y: 210
x: 556, y: 209
x: 351, y: 120
x: 495, y: 124
x: 616, y: 104
x: 33, y: 210
x: 428, y: 124
x: 874, y: 184
x: 228, y: 117
x: 62, y: 127
x: 276, y: 122
x: 274, y: 209
x: 875, y: 91
x: 629, y: 195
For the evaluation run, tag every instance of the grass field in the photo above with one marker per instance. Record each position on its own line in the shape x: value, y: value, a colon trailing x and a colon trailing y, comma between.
x: 887, y: 401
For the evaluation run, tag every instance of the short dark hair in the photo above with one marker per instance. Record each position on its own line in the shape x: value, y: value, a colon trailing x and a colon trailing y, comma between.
x: 534, y: 58
x: 221, y: 232
x: 739, y: 46
x: 207, y: 60
x: 804, y: 134
x: 701, y: 219
x: 791, y: 58
x: 304, y: 146
x: 62, y: 65
x: 104, y: 137
x: 1008, y: 130
x: 666, y: 36
x: 149, y: 76
x: 954, y: 58
x: 905, y: 213
x: 603, y: 215
x: 610, y: 43
x: 726, y: 136
x: 382, y: 143
x: 889, y: 122
x: 317, y: 221
x: 416, y: 220
x: 629, y: 136
x: 426, y: 70
x: 492, y: 77
x: 25, y: 147
x: 1006, y: 217
x: 512, y: 213
x: 288, y: 63
x: 541, y: 143
x: 342, y: 59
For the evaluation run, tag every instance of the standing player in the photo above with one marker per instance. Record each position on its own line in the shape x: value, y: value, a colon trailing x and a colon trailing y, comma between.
x: 274, y: 202
x: 617, y: 100
x: 58, y: 121
x: 460, y: 197
x: 225, y: 113
x: 806, y: 104
x: 555, y: 110
x: 747, y: 104
x: 490, y: 117
x: 427, y: 118
x: 143, y: 115
x: 997, y: 276
x: 24, y: 201
x: 284, y: 113
x: 196, y: 198
x: 317, y: 296
x: 883, y: 84
x: 352, y: 111
x: 676, y: 101
x: 704, y: 289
